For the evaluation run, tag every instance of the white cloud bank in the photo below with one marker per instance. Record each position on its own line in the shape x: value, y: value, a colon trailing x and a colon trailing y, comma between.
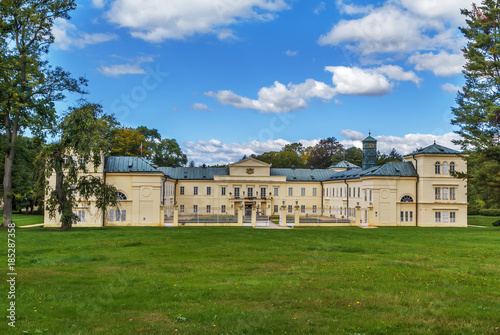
x: 159, y: 20
x: 442, y: 64
x: 217, y: 152
x: 67, y: 36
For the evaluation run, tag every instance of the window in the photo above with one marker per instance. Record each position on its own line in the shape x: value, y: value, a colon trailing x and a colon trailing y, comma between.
x: 445, y: 193
x: 411, y: 216
x: 236, y: 192
x: 263, y: 192
x: 303, y: 208
x: 195, y: 208
x: 303, y: 192
x: 437, y: 217
x: 370, y: 195
x: 276, y: 191
x: 290, y: 191
x: 445, y: 216
x: 209, y: 209
x: 333, y: 192
x: 250, y: 192
x: 315, y: 208
x: 181, y: 190
x: 452, y: 193
x: 445, y: 168
x: 349, y: 192
x: 81, y: 215
x: 75, y: 193
x: 437, y: 168
x: 341, y: 192
x: 366, y: 195
x: 289, y: 208
x: 181, y: 208
x: 195, y: 191
x: 111, y: 216
x: 437, y: 193
x: 223, y: 208
x: 453, y: 217
x: 359, y: 192
x: 276, y: 208
x: 223, y: 190
x: 402, y: 219
x: 406, y: 216
x: 326, y: 190
x: 117, y: 215
x: 315, y: 192
x: 452, y: 167
x: 209, y: 190
x: 406, y: 198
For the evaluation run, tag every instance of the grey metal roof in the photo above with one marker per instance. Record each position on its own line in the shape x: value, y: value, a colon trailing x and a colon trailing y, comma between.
x: 435, y: 149
x: 303, y: 174
x: 128, y: 164
x: 344, y: 165
x: 194, y: 173
x: 391, y: 169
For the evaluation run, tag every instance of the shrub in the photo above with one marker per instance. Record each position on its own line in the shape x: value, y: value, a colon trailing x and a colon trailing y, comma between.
x: 490, y: 212
x: 496, y: 223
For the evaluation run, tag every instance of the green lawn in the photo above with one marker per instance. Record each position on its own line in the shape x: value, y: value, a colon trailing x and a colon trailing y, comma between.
x: 24, y: 219
x: 478, y: 220
x: 232, y: 280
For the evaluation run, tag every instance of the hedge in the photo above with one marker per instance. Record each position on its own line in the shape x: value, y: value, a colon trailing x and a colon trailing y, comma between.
x: 490, y: 212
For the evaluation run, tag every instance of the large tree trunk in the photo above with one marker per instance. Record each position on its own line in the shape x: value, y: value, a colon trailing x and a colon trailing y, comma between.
x: 7, y: 187
x: 66, y: 209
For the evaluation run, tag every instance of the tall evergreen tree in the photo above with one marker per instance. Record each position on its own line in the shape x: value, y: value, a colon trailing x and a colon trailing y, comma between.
x: 478, y: 104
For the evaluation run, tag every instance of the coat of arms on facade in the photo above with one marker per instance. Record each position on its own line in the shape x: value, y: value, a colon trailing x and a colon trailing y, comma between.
x: 250, y: 170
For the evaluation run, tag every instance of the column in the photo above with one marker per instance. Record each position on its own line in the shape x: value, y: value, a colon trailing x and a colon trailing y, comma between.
x: 371, y: 219
x: 283, y: 216
x: 240, y: 214
x: 297, y: 215
x: 254, y: 215
x: 176, y: 215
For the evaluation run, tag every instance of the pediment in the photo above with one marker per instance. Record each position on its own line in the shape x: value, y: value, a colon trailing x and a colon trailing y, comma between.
x: 250, y: 162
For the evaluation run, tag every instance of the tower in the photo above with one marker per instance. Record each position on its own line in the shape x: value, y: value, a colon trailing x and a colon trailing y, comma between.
x: 369, y: 152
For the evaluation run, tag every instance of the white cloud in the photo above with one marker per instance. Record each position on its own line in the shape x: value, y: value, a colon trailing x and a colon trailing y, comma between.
x: 353, y: 9
x: 319, y: 8
x: 404, y: 145
x: 443, y: 64
x: 448, y: 9
x: 98, y: 3
x: 67, y: 36
x: 369, y: 82
x: 200, y: 107
x: 391, y: 29
x: 278, y: 98
x: 133, y: 67
x: 158, y: 20
x: 290, y: 53
x: 450, y: 88
x: 352, y: 134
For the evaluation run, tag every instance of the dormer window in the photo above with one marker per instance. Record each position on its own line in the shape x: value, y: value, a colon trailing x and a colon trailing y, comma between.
x: 437, y: 168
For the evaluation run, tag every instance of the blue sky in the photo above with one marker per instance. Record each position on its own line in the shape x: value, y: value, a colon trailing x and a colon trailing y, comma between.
x: 227, y: 78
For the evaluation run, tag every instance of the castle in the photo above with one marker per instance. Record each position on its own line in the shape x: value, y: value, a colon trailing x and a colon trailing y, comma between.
x: 420, y: 191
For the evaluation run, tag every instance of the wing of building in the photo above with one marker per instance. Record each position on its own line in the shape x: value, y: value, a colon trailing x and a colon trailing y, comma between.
x: 420, y: 191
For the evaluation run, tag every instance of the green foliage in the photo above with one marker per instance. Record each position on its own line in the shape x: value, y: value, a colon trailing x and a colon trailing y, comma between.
x: 29, y: 86
x: 285, y: 158
x: 84, y: 139
x: 477, y: 114
x: 490, y: 212
x: 127, y: 142
x: 352, y: 155
x: 321, y: 154
x: 393, y: 156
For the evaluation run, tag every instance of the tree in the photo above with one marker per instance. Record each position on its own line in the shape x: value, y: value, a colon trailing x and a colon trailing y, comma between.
x: 84, y: 139
x: 285, y: 158
x: 477, y: 113
x: 168, y: 153
x: 393, y: 156
x: 352, y: 155
x: 29, y: 86
x: 127, y: 142
x: 321, y: 154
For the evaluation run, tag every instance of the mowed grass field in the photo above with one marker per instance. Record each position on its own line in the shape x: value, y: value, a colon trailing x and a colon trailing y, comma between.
x: 129, y: 280
x: 24, y: 219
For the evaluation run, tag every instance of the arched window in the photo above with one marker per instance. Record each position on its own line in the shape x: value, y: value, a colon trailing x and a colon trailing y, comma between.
x: 437, y: 168
x: 120, y: 196
x: 406, y: 198
x: 452, y: 167
x: 445, y: 168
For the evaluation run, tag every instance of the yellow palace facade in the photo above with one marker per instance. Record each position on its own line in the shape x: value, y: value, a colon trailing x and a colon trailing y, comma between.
x: 420, y: 191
